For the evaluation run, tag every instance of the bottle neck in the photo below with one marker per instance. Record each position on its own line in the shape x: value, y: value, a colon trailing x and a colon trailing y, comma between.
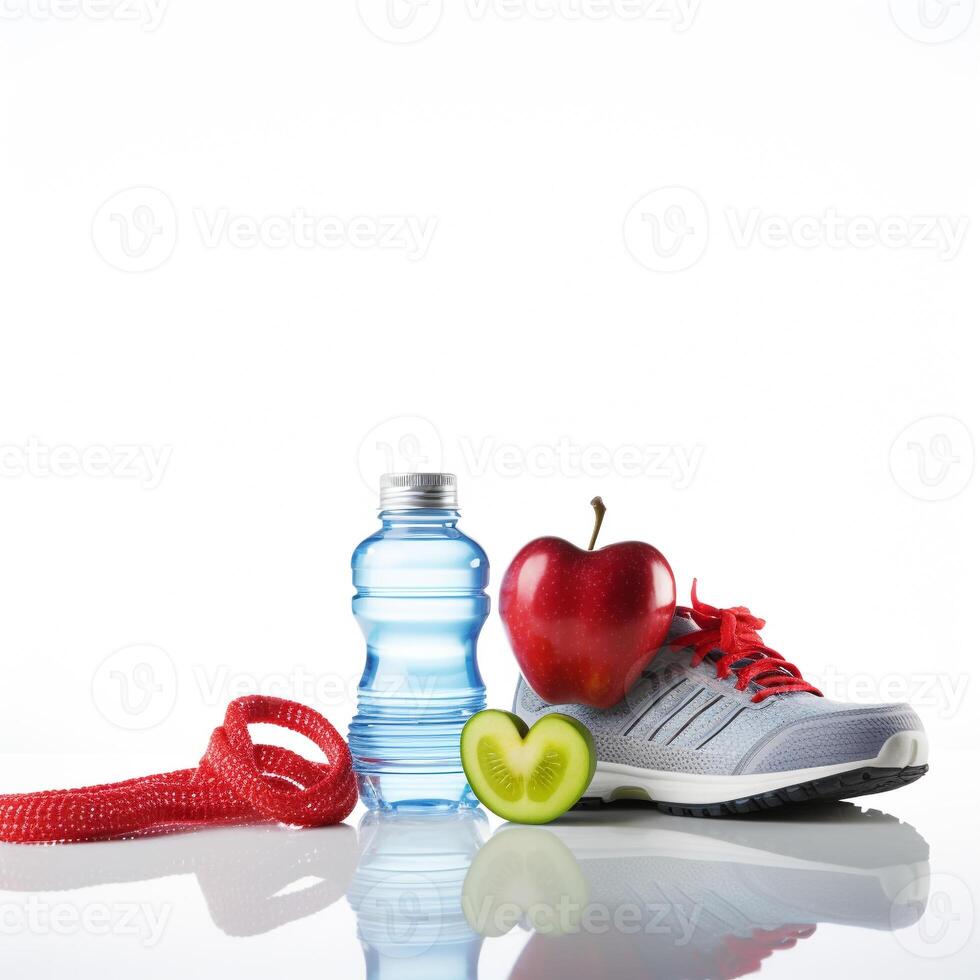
x: 420, y: 517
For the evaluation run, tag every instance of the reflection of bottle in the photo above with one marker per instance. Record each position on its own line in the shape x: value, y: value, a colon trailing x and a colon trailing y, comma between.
x: 644, y: 894
x: 421, y: 603
x: 407, y: 894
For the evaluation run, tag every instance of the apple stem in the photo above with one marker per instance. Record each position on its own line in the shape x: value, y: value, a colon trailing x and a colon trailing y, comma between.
x: 600, y: 512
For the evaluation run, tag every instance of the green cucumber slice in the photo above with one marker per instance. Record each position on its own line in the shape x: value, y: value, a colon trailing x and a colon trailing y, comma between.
x: 527, y: 776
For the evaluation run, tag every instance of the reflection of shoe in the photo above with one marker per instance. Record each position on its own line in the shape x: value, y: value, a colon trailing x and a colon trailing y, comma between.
x: 406, y: 893
x: 643, y: 894
x: 721, y: 724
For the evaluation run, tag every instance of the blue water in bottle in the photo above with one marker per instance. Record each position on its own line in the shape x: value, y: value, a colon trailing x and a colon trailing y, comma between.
x: 420, y: 601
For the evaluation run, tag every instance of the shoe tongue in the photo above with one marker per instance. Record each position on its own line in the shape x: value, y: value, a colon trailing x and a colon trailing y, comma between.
x: 680, y: 625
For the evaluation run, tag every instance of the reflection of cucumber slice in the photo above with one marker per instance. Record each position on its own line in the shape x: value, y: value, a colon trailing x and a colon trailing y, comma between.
x: 525, y: 874
x: 527, y: 776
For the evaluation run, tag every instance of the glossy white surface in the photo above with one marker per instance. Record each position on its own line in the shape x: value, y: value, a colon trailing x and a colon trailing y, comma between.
x: 617, y: 893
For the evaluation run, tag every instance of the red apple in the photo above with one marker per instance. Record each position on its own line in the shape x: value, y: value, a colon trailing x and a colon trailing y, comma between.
x: 584, y: 624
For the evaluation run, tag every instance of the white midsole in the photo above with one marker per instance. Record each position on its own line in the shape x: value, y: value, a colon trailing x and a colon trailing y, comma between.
x: 613, y: 781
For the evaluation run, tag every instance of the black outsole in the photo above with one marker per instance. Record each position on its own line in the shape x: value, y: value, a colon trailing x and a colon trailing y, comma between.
x: 844, y: 786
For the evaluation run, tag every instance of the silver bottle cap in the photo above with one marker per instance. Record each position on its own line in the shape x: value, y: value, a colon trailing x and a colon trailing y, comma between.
x: 404, y: 491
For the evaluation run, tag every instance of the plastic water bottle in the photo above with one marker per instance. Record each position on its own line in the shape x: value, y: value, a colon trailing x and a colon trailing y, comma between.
x: 421, y: 602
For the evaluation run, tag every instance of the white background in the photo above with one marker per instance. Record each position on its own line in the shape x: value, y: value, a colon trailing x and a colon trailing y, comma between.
x: 715, y: 262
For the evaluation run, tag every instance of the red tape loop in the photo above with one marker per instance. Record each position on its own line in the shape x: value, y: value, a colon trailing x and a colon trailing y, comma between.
x: 236, y: 782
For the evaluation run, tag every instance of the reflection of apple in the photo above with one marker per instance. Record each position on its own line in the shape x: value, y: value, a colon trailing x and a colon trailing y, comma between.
x: 584, y: 624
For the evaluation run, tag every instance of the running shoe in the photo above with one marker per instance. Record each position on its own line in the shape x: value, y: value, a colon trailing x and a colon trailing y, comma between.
x: 720, y: 724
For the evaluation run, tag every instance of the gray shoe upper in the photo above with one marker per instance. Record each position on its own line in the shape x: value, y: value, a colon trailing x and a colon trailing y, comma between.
x: 679, y: 718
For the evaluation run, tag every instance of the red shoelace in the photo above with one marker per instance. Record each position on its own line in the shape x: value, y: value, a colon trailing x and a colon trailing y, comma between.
x: 740, y: 955
x: 734, y: 631
x: 237, y: 781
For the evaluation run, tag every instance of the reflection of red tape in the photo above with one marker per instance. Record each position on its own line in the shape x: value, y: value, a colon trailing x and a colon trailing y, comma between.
x: 236, y: 782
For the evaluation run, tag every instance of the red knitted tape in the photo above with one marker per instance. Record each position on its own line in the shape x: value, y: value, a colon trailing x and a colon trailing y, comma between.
x: 237, y: 781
